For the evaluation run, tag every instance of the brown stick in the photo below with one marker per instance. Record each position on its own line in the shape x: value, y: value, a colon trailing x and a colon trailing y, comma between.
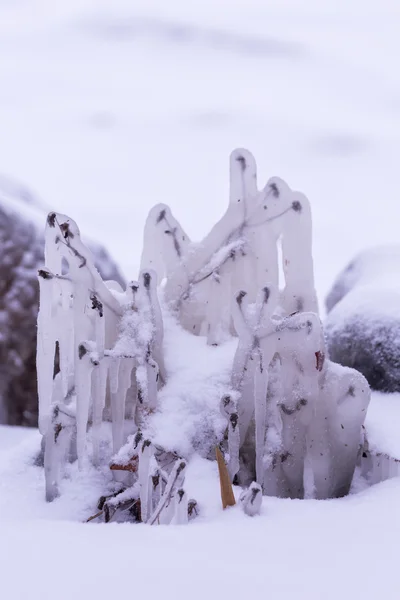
x: 94, y: 516
x: 131, y: 466
x: 227, y: 497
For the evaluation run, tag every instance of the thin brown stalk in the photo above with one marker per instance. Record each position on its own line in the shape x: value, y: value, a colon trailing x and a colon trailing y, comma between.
x: 227, y: 496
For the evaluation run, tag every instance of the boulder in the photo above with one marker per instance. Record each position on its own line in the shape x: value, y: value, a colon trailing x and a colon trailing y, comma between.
x: 21, y: 254
x: 363, y: 324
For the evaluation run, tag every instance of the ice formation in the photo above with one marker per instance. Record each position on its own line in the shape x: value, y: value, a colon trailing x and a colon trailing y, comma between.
x: 293, y: 418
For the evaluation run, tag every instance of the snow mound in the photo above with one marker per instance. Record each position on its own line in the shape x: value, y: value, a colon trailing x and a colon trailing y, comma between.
x: 189, y: 418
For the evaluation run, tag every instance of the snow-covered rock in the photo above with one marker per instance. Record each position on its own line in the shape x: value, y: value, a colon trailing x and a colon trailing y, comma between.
x: 363, y: 324
x: 21, y: 254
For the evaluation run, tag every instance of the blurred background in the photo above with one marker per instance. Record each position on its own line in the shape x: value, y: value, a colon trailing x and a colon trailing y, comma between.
x: 108, y: 107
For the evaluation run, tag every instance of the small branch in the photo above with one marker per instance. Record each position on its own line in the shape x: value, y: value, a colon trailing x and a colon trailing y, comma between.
x: 168, y: 492
x: 131, y: 466
x: 227, y: 496
x: 94, y: 516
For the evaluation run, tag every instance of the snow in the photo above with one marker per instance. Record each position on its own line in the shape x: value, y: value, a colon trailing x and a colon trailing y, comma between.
x: 109, y: 108
x: 305, y: 549
x: 382, y: 421
x: 199, y: 375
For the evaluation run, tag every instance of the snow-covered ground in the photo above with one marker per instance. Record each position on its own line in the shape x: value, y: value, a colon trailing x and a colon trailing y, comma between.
x: 107, y: 108
x: 337, y: 549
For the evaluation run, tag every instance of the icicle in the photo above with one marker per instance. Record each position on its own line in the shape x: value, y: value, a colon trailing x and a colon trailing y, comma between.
x: 266, y: 348
x: 52, y: 255
x: 336, y: 429
x: 157, y: 488
x: 99, y: 323
x: 83, y: 377
x: 57, y: 443
x: 299, y: 292
x: 65, y: 316
x: 218, y: 318
x: 118, y: 391
x: 165, y: 243
x: 145, y: 454
x: 99, y: 385
x: 149, y: 283
x: 114, y: 367
x: 181, y: 510
x: 243, y: 177
x: 45, y: 348
x: 298, y: 345
x: 274, y: 479
x: 151, y: 387
x: 229, y: 409
x: 260, y: 405
x: 118, y: 402
x: 242, y: 355
x: 83, y: 367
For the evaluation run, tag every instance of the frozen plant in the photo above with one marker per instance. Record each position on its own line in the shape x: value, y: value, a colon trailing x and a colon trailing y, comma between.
x: 109, y: 348
x: 293, y: 418
x: 275, y: 417
x: 153, y: 489
x: 299, y: 416
x: 240, y: 252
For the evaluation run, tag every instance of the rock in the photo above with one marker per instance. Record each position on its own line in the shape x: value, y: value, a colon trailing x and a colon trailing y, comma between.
x: 21, y: 254
x: 363, y: 325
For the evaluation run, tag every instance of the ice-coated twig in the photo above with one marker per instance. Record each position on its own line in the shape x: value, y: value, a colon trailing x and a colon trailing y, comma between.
x: 181, y: 511
x: 46, y: 346
x: 148, y: 283
x: 145, y: 483
x: 229, y: 409
x: 81, y: 315
x: 175, y: 481
x: 165, y: 243
x: 240, y: 248
x: 57, y: 445
x: 83, y: 374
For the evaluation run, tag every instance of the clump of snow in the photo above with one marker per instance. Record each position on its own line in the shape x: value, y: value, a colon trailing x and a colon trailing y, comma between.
x: 188, y: 418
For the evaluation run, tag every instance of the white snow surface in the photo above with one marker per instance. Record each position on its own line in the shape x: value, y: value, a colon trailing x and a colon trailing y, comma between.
x: 295, y: 549
x: 382, y: 424
x: 198, y: 377
x: 107, y: 108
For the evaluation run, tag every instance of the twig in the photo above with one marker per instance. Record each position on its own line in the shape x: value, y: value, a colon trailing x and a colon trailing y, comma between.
x: 131, y: 466
x: 94, y: 516
x: 227, y: 496
x: 167, y: 495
